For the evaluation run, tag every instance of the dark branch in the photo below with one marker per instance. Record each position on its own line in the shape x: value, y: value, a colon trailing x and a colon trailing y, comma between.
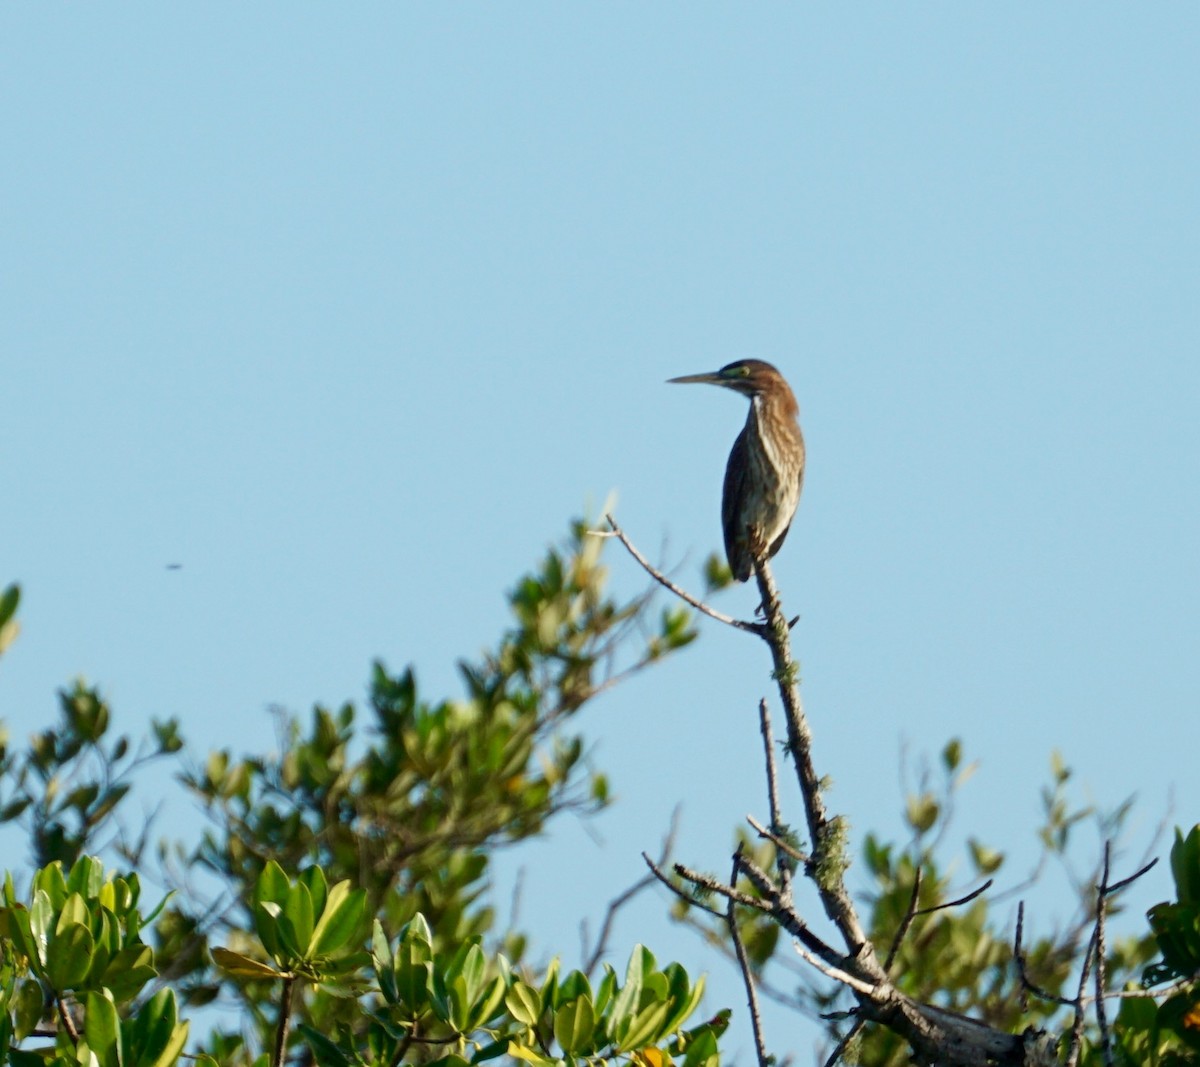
x: 1101, y: 907
x: 621, y: 899
x: 910, y: 913
x: 743, y: 960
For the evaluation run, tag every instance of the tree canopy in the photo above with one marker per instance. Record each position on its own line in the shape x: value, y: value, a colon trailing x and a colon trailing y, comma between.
x: 334, y: 906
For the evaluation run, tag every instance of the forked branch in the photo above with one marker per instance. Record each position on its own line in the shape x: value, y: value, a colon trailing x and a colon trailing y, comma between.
x: 936, y: 1036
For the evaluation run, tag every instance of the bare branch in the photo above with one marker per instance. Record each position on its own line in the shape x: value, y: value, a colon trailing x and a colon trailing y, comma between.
x: 708, y: 882
x: 1076, y: 1046
x: 910, y: 913
x: 663, y: 580
x: 935, y: 1035
x: 1116, y: 887
x: 1101, y: 907
x: 844, y: 1044
x: 743, y: 960
x: 960, y: 901
x: 1027, y: 983
x: 764, y: 721
x: 780, y: 843
x: 836, y: 973
x: 663, y: 877
x: 825, y: 841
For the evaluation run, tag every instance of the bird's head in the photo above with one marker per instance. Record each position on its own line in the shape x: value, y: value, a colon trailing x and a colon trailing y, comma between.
x: 750, y: 377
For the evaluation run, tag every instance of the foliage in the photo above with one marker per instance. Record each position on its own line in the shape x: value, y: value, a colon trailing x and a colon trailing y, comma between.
x: 345, y: 923
x: 392, y: 827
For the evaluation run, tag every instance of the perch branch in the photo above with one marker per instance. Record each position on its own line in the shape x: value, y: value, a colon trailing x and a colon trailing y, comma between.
x: 663, y: 580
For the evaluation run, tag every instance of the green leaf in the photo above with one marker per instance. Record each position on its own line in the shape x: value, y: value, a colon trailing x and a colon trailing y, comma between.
x: 30, y: 1005
x: 8, y: 609
x: 524, y: 1004
x: 573, y: 986
x: 242, y: 966
x: 685, y: 998
x: 9, y: 600
x: 74, y: 912
x: 296, y: 922
x: 69, y: 958
x: 102, y: 1029
x: 1185, y: 866
x: 41, y: 915
x: 986, y: 860
x: 313, y: 879
x: 340, y: 922
x: 574, y: 1023
x: 127, y: 972
x: 327, y: 1052
x: 470, y: 966
x: 52, y: 880
x: 626, y: 1004
x: 922, y: 812
x: 952, y: 755
x: 523, y: 1052
x: 702, y: 1052
x: 487, y: 1003
x: 646, y: 1027
x: 272, y: 885
x: 160, y: 1036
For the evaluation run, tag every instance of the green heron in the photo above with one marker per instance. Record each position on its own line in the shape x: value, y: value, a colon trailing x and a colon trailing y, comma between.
x: 765, y: 471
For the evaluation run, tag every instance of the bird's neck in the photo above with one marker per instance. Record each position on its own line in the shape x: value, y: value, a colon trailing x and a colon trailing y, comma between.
x: 774, y: 408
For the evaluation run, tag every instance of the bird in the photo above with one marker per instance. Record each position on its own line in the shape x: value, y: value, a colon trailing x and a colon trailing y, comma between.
x: 765, y: 472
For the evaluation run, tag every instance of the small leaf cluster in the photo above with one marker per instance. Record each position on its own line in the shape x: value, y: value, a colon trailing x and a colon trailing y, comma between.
x: 9, y: 629
x: 75, y: 949
x: 71, y: 780
x: 472, y: 1007
x: 308, y: 928
x: 1169, y: 1033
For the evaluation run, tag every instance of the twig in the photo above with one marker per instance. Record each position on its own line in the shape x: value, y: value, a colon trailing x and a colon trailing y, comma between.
x: 761, y: 881
x: 960, y: 901
x: 1027, y: 983
x: 910, y: 913
x: 1101, y: 907
x: 1077, y: 1026
x: 285, y: 1019
x: 743, y: 960
x: 1116, y: 887
x: 64, y: 1013
x: 836, y: 973
x: 780, y: 843
x: 764, y: 722
x: 708, y: 882
x: 663, y: 580
x: 621, y: 899
x: 844, y: 1043
x: 663, y: 877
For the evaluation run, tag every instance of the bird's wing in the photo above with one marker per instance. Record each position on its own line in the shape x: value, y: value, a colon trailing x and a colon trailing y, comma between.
x: 733, y: 497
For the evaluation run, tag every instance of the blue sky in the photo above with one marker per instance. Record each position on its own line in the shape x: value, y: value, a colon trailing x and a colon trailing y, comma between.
x: 348, y: 310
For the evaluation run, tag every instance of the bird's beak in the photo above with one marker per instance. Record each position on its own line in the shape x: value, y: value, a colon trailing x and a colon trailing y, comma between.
x: 709, y: 379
